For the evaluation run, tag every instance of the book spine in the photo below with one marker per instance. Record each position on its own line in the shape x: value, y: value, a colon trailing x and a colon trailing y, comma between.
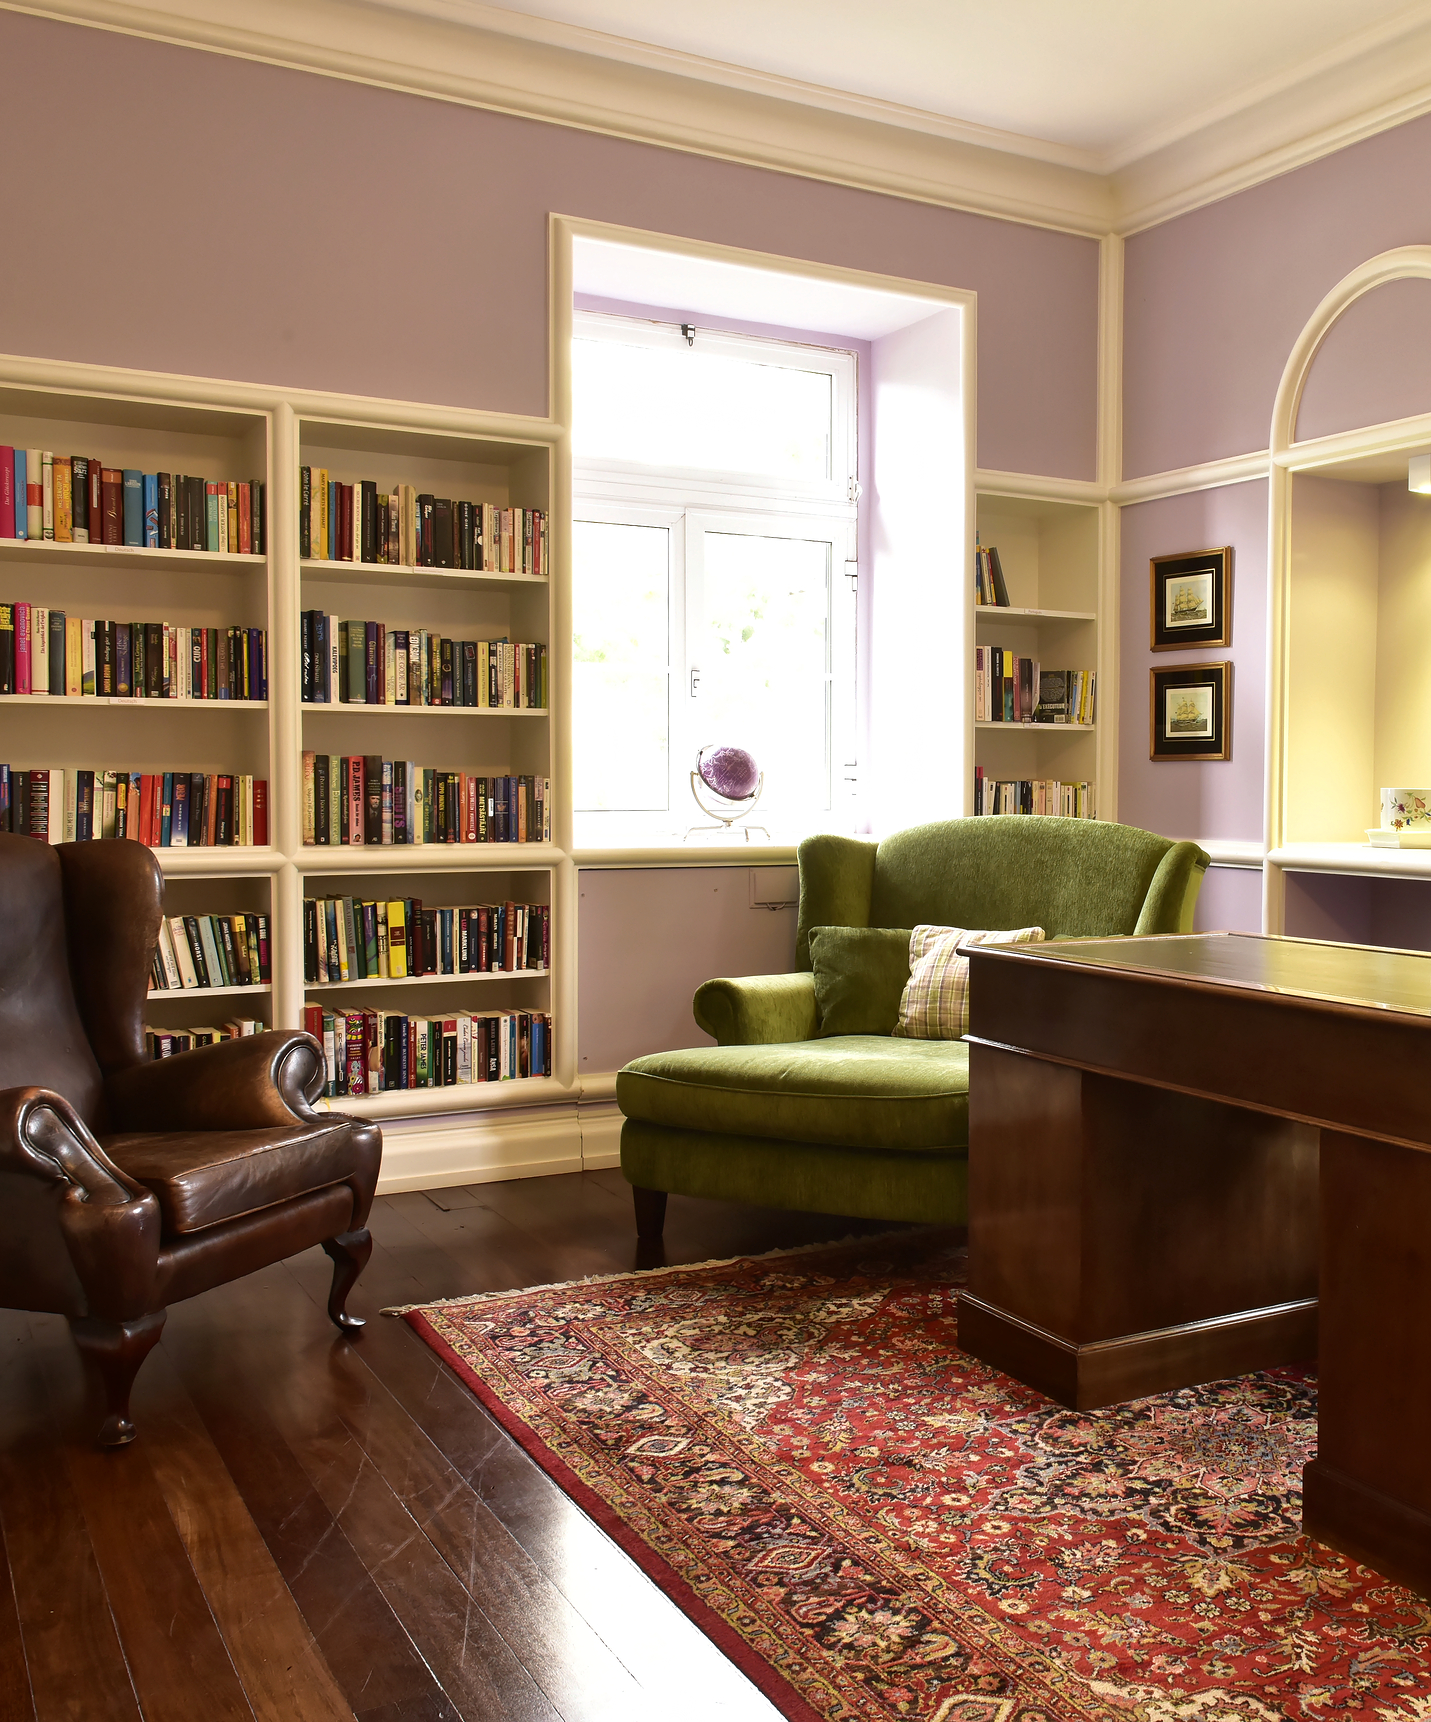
x: 64, y: 500
x: 47, y: 495
x: 34, y: 493
x: 7, y: 491
x: 133, y: 506
x: 151, y: 510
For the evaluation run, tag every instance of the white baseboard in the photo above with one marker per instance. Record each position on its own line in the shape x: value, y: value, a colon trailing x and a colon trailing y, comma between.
x: 600, y: 1136
x: 486, y: 1147
x: 479, y: 1149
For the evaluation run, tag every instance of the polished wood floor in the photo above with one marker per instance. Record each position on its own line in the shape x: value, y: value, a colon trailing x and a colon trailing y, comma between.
x: 309, y: 1528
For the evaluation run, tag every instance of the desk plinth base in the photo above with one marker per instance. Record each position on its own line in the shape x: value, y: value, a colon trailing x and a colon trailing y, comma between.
x: 1126, y: 1239
x: 1109, y: 1371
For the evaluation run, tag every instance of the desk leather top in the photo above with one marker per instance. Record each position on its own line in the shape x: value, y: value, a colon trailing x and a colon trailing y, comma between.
x: 1302, y: 968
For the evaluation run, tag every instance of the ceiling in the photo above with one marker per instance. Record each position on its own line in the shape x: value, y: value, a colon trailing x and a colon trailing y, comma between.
x: 1090, y: 83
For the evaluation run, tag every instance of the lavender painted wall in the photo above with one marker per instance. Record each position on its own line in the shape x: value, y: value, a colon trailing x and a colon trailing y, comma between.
x: 1186, y: 798
x: 1230, y: 901
x: 1215, y: 299
x: 646, y: 939
x: 1394, y: 912
x: 1374, y: 365
x: 219, y: 254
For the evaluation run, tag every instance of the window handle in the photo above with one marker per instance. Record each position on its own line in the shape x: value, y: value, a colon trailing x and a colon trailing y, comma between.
x: 695, y: 684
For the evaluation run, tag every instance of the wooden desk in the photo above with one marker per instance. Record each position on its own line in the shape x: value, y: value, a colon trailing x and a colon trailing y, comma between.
x: 1176, y: 1144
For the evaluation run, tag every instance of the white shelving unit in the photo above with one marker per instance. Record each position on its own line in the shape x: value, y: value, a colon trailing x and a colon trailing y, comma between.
x: 1052, y: 550
x: 221, y: 430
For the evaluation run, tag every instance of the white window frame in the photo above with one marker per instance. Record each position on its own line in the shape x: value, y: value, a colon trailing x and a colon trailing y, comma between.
x: 691, y: 502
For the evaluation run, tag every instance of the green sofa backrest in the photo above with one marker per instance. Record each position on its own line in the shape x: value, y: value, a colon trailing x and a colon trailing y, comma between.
x: 1075, y: 878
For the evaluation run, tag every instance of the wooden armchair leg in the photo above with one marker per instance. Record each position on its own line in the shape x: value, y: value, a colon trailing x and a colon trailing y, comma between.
x: 349, y: 1253
x: 650, y: 1213
x: 115, y: 1350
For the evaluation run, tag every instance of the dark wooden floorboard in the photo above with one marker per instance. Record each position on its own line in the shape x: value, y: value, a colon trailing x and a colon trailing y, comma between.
x: 315, y: 1529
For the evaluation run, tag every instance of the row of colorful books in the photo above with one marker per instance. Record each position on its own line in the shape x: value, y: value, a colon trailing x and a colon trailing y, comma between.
x: 349, y: 939
x: 48, y: 652
x: 166, y: 810
x: 989, y: 584
x: 357, y: 522
x: 197, y: 951
x: 1009, y: 688
x: 371, y: 1051
x: 165, y: 1042
x: 76, y: 499
x: 369, y: 663
x: 362, y: 798
x: 1037, y: 795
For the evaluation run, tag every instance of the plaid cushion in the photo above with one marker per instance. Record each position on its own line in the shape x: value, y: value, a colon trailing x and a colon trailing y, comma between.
x: 935, y: 1004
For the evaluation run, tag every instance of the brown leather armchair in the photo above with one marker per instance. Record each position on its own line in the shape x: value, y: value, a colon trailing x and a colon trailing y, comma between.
x: 128, y: 1183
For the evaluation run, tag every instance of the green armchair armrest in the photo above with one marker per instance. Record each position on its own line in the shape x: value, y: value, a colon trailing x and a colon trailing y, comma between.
x: 758, y: 1010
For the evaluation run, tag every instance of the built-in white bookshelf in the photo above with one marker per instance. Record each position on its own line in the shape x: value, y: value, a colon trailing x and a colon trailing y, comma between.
x: 225, y: 431
x: 1051, y: 551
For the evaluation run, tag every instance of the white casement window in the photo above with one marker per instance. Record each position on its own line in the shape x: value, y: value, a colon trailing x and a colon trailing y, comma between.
x: 713, y: 573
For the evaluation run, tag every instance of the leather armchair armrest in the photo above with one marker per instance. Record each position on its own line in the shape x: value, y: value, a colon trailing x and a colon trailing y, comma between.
x: 107, y: 1226
x: 758, y: 1010
x: 243, y: 1084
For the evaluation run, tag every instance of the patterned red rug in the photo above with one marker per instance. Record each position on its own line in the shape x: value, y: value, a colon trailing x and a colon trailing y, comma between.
x: 874, y: 1526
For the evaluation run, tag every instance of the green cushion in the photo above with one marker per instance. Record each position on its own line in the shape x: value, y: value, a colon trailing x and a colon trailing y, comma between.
x: 813, y: 1178
x: 858, y: 1090
x: 860, y: 974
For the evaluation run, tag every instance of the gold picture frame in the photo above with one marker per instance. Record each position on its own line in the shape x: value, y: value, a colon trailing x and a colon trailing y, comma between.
x: 1190, y: 712
x: 1190, y: 600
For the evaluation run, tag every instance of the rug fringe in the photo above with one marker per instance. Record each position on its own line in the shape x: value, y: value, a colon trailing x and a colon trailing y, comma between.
x: 653, y: 1273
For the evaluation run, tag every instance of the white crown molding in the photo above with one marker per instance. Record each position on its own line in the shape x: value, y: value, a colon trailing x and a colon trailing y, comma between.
x: 415, y: 53
x: 481, y: 55
x: 1180, y: 481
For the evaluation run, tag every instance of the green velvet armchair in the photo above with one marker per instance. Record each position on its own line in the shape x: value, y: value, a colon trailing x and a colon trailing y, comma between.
x: 789, y: 1114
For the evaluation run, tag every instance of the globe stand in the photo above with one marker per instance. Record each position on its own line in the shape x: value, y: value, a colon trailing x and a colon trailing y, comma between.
x: 726, y: 823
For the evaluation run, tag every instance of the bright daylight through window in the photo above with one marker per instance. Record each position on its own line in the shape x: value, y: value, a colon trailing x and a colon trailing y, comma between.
x: 713, y: 573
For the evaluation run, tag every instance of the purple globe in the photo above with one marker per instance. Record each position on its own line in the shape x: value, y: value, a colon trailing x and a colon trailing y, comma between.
x: 729, y: 771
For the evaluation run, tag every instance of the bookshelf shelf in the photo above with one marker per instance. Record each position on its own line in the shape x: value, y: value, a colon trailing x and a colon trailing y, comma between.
x: 426, y: 980
x: 319, y: 858
x: 1014, y: 613
x: 340, y: 708
x: 1037, y: 728
x: 125, y: 556
x: 462, y: 1097
x: 220, y: 861
x: 205, y: 992
x: 39, y: 701
x: 396, y: 574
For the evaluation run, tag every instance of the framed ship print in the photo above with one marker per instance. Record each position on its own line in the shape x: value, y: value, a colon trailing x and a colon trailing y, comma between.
x: 1191, y: 599
x: 1192, y: 712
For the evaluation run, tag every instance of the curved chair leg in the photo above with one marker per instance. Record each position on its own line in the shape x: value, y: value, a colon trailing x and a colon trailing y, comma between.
x: 349, y: 1253
x: 650, y: 1213
x: 115, y: 1350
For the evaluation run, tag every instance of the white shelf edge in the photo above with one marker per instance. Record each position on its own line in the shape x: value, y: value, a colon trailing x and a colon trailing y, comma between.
x: 143, y: 552
x: 336, y: 571
x: 134, y: 702
x: 426, y: 980
x: 464, y: 1097
x: 206, y: 992
x: 1005, y: 612
x: 1037, y: 728
x: 1352, y: 858
x: 401, y: 857
x: 341, y: 708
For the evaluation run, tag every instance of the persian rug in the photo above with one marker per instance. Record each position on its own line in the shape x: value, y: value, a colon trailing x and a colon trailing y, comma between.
x: 874, y: 1526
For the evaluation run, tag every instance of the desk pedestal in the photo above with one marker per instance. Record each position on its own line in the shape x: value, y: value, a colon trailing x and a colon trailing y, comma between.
x: 1368, y: 1491
x: 1127, y: 1240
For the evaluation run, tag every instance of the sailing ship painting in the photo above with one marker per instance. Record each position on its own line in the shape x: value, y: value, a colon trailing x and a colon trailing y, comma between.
x: 1188, y: 711
x: 1189, y: 601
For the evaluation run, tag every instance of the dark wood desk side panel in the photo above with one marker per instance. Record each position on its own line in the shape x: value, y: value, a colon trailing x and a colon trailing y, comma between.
x: 1279, y: 1054
x: 1099, y: 1208
x: 1375, y: 1382
x: 1107, y: 1218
